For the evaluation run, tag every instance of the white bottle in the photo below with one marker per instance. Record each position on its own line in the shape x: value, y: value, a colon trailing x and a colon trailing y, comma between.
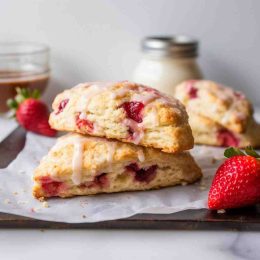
x: 167, y: 61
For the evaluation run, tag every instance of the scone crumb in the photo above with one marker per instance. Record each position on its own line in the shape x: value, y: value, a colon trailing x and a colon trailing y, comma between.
x: 34, y: 210
x: 221, y: 211
x: 201, y: 187
x: 15, y: 193
x: 184, y: 183
x: 7, y: 201
x: 213, y: 160
x: 45, y: 204
x: 41, y: 199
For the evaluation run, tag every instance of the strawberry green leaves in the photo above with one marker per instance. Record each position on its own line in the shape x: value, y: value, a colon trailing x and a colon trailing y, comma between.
x: 22, y: 94
x: 250, y: 151
x: 232, y: 151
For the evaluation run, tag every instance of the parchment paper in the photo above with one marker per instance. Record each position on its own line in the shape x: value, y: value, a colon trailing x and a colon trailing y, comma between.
x: 16, y: 197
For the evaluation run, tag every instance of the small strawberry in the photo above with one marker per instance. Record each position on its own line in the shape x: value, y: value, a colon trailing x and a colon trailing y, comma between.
x: 30, y: 112
x: 237, y: 181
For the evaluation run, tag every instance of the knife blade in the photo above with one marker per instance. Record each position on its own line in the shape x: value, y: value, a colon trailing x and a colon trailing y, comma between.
x: 11, y: 146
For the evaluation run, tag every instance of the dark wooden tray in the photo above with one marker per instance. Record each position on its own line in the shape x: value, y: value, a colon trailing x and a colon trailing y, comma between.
x: 239, y: 219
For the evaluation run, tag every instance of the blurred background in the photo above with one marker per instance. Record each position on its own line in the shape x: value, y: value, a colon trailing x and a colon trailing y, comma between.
x: 100, y: 40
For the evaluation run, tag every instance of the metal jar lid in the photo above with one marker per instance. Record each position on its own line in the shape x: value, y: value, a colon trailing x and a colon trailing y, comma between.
x: 178, y: 46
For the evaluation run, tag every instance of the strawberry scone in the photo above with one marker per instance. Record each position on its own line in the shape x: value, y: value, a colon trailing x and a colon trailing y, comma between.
x: 124, y: 111
x: 218, y: 115
x: 81, y: 165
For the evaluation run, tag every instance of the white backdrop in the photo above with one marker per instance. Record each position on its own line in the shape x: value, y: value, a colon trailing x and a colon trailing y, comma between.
x: 99, y: 40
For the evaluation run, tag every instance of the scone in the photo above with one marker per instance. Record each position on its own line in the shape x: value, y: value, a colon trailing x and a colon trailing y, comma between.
x: 81, y: 165
x: 124, y: 111
x: 206, y: 131
x: 221, y: 104
x: 218, y: 115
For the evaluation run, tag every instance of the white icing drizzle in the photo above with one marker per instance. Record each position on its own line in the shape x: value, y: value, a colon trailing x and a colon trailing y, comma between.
x: 78, y: 148
x: 118, y: 93
x: 154, y: 117
x: 111, y: 151
x: 140, y: 155
x: 145, y: 99
x: 77, y: 161
x: 97, y: 129
x: 93, y: 89
x: 83, y: 116
x: 137, y: 128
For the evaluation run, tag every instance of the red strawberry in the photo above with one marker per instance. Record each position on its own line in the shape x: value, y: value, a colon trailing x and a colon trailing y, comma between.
x: 134, y: 110
x: 31, y: 113
x: 237, y: 181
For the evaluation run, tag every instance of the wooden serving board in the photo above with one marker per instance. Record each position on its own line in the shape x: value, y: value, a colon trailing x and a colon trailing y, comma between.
x: 239, y: 219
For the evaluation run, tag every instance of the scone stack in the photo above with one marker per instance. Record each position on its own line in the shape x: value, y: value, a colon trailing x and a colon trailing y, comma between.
x: 124, y: 136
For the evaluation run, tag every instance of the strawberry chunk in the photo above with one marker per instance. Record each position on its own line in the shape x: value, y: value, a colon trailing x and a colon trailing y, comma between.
x: 134, y: 110
x: 239, y: 94
x: 142, y: 174
x: 101, y: 180
x: 132, y: 167
x: 62, y: 105
x: 84, y: 123
x: 50, y: 187
x: 227, y: 138
x: 192, y: 91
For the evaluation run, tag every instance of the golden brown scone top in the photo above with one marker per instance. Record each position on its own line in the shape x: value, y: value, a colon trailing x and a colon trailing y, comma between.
x: 102, y: 105
x: 219, y: 103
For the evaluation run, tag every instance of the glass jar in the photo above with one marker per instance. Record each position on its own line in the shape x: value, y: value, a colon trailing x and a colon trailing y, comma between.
x: 167, y: 61
x: 24, y: 65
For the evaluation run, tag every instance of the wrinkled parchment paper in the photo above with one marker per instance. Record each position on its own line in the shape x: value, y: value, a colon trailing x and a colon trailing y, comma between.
x: 16, y: 196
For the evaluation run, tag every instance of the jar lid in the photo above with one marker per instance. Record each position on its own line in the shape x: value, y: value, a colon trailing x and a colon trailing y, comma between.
x: 177, y: 45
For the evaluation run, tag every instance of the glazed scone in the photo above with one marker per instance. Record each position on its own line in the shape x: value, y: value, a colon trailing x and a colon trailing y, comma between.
x: 206, y: 131
x: 124, y: 111
x: 221, y: 104
x: 81, y: 165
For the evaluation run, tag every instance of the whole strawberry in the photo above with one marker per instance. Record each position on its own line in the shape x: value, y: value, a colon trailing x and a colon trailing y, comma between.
x: 237, y: 181
x: 30, y: 112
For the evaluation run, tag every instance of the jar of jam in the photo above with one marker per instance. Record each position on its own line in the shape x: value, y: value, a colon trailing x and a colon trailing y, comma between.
x: 24, y: 65
x: 167, y: 61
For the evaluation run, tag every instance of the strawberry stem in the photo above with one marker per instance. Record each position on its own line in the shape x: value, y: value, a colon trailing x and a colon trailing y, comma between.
x: 11, y: 103
x: 250, y: 151
x: 22, y: 94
